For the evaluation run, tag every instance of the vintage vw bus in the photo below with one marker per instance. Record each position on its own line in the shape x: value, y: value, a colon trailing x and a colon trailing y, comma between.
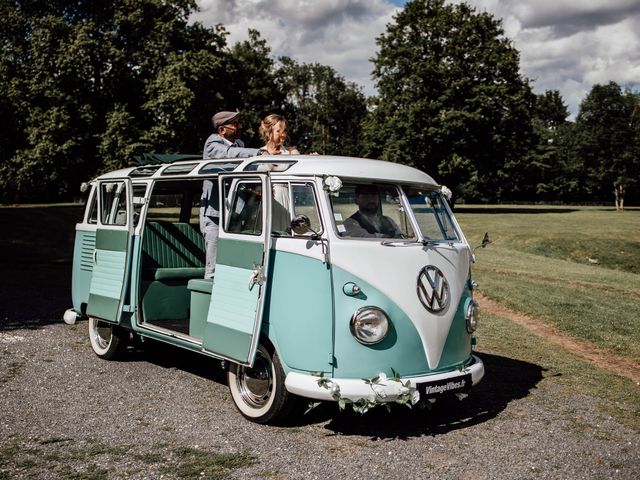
x: 330, y: 271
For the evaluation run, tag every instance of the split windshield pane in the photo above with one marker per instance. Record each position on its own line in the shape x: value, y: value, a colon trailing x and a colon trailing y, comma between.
x: 431, y: 214
x: 370, y: 211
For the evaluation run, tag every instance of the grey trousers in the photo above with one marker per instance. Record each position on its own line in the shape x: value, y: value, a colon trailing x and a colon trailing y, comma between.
x: 211, y: 246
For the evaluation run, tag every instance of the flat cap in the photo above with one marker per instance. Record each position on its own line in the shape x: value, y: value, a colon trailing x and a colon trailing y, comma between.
x: 224, y: 118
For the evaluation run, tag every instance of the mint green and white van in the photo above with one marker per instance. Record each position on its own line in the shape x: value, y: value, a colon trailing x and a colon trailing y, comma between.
x: 308, y: 298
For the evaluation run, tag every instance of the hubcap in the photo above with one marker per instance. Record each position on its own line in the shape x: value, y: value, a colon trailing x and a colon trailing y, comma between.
x: 102, y: 334
x: 256, y: 384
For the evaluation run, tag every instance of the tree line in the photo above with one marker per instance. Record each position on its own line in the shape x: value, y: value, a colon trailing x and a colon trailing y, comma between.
x: 85, y: 86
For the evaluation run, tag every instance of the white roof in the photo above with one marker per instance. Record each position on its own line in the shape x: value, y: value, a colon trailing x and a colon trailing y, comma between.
x: 306, y: 165
x: 351, y: 167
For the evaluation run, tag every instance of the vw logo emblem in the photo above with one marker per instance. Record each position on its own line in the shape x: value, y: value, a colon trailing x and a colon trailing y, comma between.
x: 433, y: 289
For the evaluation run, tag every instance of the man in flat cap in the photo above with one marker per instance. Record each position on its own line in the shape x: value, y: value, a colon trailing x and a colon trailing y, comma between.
x: 369, y: 221
x: 224, y: 143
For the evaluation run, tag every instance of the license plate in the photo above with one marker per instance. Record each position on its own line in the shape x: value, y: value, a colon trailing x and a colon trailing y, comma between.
x: 445, y: 387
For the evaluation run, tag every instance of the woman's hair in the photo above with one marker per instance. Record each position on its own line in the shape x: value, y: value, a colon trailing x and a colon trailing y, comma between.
x: 267, y: 124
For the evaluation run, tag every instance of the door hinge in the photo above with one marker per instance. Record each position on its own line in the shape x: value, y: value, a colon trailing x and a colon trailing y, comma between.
x: 128, y: 308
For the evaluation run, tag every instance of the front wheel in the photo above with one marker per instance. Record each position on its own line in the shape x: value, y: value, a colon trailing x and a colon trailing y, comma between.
x: 259, y: 392
x: 108, y: 341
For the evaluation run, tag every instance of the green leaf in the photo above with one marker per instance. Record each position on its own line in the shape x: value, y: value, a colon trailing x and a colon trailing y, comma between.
x: 311, y: 406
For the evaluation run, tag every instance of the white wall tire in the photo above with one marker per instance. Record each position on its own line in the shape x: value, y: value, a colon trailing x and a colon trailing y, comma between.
x: 107, y: 340
x: 259, y: 392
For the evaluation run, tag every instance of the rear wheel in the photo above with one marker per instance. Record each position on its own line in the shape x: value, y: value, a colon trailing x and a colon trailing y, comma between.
x: 108, y: 341
x: 259, y: 392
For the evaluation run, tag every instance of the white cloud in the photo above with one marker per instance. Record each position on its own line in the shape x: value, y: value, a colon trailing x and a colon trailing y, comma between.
x: 339, y: 33
x: 565, y: 45
x: 571, y: 45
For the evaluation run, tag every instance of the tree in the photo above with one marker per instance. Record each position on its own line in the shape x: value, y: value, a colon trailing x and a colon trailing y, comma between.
x: 86, y: 84
x: 551, y: 110
x: 451, y: 100
x: 553, y: 170
x: 325, y: 111
x: 608, y: 133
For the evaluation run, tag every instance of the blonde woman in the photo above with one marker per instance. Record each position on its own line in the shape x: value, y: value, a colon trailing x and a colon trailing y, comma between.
x: 273, y: 130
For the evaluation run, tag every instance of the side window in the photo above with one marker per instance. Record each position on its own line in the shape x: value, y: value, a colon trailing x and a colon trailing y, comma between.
x: 244, y: 214
x: 280, y: 210
x: 113, y: 200
x: 175, y: 201
x: 138, y: 201
x: 92, y: 218
x: 304, y: 203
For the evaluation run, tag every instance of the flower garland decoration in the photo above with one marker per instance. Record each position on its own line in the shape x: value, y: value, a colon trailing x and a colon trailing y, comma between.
x: 331, y: 184
x: 407, y: 394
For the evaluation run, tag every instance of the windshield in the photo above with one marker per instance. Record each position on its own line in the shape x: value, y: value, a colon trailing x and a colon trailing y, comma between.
x: 431, y: 213
x: 371, y: 210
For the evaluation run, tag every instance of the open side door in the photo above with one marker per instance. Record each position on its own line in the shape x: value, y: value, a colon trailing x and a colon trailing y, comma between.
x: 239, y: 284
x: 111, y: 263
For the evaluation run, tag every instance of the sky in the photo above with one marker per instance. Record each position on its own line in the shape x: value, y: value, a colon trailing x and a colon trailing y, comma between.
x: 565, y: 45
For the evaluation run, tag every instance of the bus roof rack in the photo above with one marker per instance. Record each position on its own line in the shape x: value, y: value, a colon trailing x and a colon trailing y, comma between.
x: 149, y: 158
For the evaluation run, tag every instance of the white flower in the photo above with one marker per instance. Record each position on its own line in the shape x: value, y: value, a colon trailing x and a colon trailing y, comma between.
x: 333, y: 184
x: 334, y: 388
x: 446, y: 192
x: 361, y: 409
x: 415, y: 397
x: 403, y: 390
x: 382, y: 377
x: 379, y: 391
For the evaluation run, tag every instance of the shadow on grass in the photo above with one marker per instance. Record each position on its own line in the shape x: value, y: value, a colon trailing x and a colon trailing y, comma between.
x: 33, y: 295
x: 36, y: 250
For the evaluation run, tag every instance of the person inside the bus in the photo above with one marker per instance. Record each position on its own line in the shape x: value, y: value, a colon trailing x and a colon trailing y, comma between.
x: 369, y: 221
x: 225, y: 143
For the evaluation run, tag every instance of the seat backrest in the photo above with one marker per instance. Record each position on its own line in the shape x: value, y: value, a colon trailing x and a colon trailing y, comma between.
x: 172, y: 245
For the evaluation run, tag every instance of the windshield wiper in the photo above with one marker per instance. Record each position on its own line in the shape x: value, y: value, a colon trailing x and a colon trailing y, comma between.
x: 407, y: 243
x: 400, y: 243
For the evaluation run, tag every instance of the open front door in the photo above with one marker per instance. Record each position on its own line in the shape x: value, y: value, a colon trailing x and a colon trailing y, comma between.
x: 239, y: 283
x: 110, y: 257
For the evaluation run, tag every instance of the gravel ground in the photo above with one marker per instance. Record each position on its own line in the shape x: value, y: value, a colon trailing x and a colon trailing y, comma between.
x: 165, y: 413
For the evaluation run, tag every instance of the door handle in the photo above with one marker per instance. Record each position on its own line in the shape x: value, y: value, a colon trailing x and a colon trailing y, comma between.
x: 256, y: 277
x: 95, y: 256
x: 253, y: 279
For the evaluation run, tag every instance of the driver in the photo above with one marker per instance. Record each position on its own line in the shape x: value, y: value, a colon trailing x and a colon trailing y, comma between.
x: 368, y: 221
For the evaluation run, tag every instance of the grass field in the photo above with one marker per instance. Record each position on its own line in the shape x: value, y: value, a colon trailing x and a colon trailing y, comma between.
x: 576, y: 268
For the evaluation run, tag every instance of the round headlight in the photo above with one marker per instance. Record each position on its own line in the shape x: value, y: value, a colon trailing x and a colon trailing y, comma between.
x: 473, y: 312
x: 369, y: 325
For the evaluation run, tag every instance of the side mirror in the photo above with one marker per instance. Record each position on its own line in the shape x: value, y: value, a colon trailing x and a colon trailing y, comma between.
x: 485, y: 241
x: 301, y: 225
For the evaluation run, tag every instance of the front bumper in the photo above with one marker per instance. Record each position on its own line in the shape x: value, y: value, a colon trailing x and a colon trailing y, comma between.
x: 307, y: 386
